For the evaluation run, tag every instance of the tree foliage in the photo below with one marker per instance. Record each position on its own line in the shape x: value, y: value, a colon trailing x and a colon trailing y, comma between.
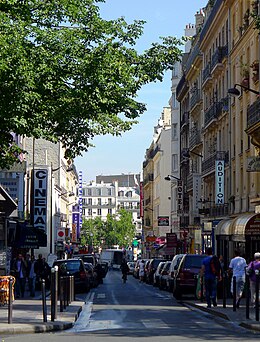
x: 116, y: 230
x: 68, y: 75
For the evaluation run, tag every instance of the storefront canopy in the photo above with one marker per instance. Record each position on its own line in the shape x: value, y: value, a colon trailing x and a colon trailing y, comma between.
x: 224, y: 227
x: 246, y: 224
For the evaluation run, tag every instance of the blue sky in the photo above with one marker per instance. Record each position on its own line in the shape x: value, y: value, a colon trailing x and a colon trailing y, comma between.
x: 125, y: 154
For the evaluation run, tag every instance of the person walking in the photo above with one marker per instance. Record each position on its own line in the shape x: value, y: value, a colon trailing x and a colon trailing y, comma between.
x: 124, y: 269
x: 20, y: 272
x: 237, y: 268
x: 32, y: 276
x: 209, y: 275
x: 141, y: 271
x: 254, y: 265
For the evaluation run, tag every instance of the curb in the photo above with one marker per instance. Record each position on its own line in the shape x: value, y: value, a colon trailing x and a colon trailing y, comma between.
x: 211, y: 311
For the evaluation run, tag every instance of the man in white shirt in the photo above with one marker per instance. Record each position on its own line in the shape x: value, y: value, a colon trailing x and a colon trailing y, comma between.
x: 237, y: 267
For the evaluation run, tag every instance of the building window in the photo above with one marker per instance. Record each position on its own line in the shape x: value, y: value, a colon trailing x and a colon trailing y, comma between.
x: 129, y: 194
x: 99, y: 201
x: 99, y: 212
x: 109, y: 192
x: 174, y: 162
x: 89, y: 192
x: 90, y: 201
x: 89, y: 212
x: 121, y: 193
x: 109, y: 201
x: 109, y: 211
x: 174, y: 132
x: 98, y: 191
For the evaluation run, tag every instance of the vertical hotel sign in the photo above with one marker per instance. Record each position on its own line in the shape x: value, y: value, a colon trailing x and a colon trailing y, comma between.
x: 220, y: 173
x: 196, y: 192
x: 179, y: 197
x: 80, y: 205
x: 40, y: 199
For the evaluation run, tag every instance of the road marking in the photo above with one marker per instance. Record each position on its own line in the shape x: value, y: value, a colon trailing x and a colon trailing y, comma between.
x: 101, y: 295
x: 158, y: 323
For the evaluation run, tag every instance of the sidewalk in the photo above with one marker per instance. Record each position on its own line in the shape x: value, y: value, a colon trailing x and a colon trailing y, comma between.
x: 27, y: 316
x: 237, y: 317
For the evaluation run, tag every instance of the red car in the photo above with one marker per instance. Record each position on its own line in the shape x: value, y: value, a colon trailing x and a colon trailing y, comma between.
x: 185, y: 281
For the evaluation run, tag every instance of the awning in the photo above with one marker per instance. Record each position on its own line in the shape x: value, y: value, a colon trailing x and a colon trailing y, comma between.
x: 224, y: 227
x: 245, y: 224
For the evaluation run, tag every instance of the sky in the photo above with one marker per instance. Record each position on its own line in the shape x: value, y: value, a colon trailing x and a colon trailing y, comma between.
x: 125, y: 154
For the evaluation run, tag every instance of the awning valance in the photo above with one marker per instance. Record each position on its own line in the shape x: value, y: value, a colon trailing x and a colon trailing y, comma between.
x: 246, y: 224
x: 224, y: 227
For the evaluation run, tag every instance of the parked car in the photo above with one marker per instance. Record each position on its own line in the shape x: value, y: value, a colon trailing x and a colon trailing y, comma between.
x: 185, y: 281
x: 131, y: 266
x: 90, y: 258
x: 153, y: 264
x: 173, y: 269
x: 91, y: 274
x: 164, y: 275
x: 146, y: 269
x: 157, y: 273
x: 74, y: 267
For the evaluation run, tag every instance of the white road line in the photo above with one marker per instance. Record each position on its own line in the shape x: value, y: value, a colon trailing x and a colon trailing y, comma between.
x: 158, y: 323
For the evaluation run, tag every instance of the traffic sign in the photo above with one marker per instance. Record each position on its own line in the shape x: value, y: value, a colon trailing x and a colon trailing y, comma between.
x: 135, y: 243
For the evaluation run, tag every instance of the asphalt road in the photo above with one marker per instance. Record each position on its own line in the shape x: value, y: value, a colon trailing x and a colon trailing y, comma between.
x: 120, y: 312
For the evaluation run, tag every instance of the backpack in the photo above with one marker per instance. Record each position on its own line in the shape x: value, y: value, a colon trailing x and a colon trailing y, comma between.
x: 215, y: 266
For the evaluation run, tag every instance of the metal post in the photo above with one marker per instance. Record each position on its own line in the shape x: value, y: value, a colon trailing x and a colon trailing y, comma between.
x: 10, y: 301
x: 56, y: 291
x: 73, y: 289
x: 224, y: 289
x: 257, y: 296
x: 61, y: 294
x: 44, y: 305
x: 52, y: 294
x: 247, y: 296
x: 64, y: 282
x: 234, y: 293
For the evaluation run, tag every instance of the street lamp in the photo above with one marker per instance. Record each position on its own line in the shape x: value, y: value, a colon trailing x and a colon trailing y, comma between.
x: 235, y: 92
x: 168, y: 178
x: 69, y: 193
x: 186, y: 153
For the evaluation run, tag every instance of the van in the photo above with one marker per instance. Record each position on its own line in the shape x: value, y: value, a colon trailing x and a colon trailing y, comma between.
x: 185, y: 280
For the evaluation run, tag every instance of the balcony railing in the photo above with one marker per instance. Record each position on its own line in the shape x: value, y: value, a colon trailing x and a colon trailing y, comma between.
x: 182, y: 83
x: 206, y: 72
x: 213, y: 112
x: 195, y: 98
x: 219, y: 210
x: 253, y: 114
x: 209, y: 163
x: 195, y: 137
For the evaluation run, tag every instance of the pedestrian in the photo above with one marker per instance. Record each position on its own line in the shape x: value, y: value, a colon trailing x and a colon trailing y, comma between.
x: 32, y: 276
x: 210, y: 277
x: 254, y: 265
x: 125, y: 270
x: 41, y: 270
x: 237, y: 268
x: 20, y: 271
x: 141, y: 271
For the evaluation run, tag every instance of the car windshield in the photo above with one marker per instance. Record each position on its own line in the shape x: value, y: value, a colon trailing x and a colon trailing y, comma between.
x: 156, y: 262
x: 72, y: 266
x: 192, y: 261
x: 89, y: 259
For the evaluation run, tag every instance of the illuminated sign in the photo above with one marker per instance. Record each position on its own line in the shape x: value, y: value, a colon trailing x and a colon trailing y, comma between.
x: 220, y: 172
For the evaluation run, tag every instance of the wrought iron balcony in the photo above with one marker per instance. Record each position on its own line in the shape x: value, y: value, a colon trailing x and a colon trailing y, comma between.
x: 253, y: 114
x: 185, y: 119
x: 208, y: 164
x: 195, y: 98
x: 213, y: 112
x: 195, y: 138
x: 206, y: 72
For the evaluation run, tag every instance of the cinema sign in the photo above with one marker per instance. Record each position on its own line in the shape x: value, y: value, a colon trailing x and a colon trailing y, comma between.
x: 40, y: 199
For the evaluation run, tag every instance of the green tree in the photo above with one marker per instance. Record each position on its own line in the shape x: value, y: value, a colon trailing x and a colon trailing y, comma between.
x: 68, y: 75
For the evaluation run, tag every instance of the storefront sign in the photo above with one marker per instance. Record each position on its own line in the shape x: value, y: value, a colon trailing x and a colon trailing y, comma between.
x: 171, y: 239
x: 220, y: 172
x: 40, y: 199
x: 163, y: 221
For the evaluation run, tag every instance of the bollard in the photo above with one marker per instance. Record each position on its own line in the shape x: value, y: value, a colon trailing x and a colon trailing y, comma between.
x: 52, y: 294
x: 44, y: 305
x: 56, y: 291
x: 224, y: 289
x: 247, y: 294
x: 257, y: 296
x: 71, y: 296
x: 10, y: 301
x: 73, y: 289
x: 64, y: 292
x: 234, y: 293
x: 67, y: 290
x: 61, y: 294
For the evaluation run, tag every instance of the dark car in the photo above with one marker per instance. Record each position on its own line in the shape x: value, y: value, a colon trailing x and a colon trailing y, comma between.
x: 185, y: 280
x: 164, y: 275
x: 157, y: 273
x: 91, y: 274
x: 151, y: 268
x: 76, y: 268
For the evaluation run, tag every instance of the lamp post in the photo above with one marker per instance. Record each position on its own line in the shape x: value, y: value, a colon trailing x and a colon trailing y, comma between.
x: 235, y: 92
